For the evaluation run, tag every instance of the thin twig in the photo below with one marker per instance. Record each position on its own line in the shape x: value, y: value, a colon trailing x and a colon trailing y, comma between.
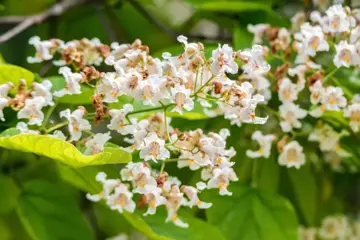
x: 55, y: 10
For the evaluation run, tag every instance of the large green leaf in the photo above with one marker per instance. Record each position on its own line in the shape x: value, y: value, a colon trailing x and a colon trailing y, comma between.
x: 5, y: 233
x: 62, y: 151
x: 305, y: 190
x: 252, y: 214
x: 9, y: 193
x: 238, y: 6
x: 47, y: 213
x: 12, y: 73
x: 268, y: 179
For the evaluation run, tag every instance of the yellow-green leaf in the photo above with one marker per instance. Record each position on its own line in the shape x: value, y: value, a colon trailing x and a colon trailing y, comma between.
x: 12, y: 73
x: 238, y: 6
x: 63, y: 151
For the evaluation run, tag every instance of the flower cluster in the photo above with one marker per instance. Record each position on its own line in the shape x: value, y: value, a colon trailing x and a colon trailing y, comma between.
x: 333, y: 227
x: 336, y: 32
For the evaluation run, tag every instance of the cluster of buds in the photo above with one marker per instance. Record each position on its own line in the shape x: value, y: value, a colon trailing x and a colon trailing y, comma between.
x: 78, y: 53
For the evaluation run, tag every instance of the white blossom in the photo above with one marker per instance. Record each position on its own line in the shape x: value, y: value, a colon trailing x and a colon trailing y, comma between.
x: 312, y: 39
x: 265, y: 142
x: 346, y: 55
x: 43, y: 50
x: 76, y: 123
x: 96, y: 143
x: 154, y: 148
x: 72, y: 82
x: 288, y: 91
x: 254, y: 59
x: 221, y: 178
x: 121, y: 199
x: 353, y: 113
x: 4, y: 102
x: 23, y: 128
x: 43, y: 90
x: 58, y: 134
x: 193, y: 199
x: 258, y: 31
x: 291, y: 113
x: 327, y: 138
x: 292, y: 155
x: 181, y: 97
x: 118, y: 117
x: 32, y: 111
x: 223, y: 60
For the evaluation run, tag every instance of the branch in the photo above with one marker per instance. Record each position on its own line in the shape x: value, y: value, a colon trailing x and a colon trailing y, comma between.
x: 26, y: 22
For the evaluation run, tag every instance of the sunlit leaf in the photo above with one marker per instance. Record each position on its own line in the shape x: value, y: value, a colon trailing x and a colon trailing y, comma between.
x: 238, y: 6
x: 12, y: 73
x: 62, y: 151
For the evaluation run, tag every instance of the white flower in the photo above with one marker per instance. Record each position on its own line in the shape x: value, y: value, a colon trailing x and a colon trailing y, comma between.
x: 265, y: 142
x: 317, y: 92
x: 190, y: 48
x: 154, y: 148
x: 223, y: 60
x: 4, y: 89
x: 312, y: 39
x: 254, y: 59
x: 175, y: 200
x: 299, y: 71
x: 151, y: 89
x: 193, y: 161
x: 307, y: 233
x: 58, y: 134
x: 192, y: 194
x: 96, y: 143
x: 333, y: 227
x: 72, y: 82
x: 346, y: 55
x: 337, y: 20
x: 258, y: 31
x: 221, y: 178
x: 4, y: 102
x: 353, y: 112
x: 290, y: 113
x: 154, y: 199
x: 121, y: 199
x: 76, y: 123
x: 43, y: 90
x: 292, y: 155
x: 288, y: 91
x: 43, y: 50
x: 355, y: 34
x: 108, y: 187
x: 109, y: 87
x: 23, y: 128
x: 118, y: 117
x: 32, y: 110
x: 181, y: 97
x: 333, y: 99
x: 259, y: 83
x: 327, y: 138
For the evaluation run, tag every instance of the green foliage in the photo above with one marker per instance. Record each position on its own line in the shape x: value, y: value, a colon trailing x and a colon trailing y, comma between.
x: 46, y: 212
x: 9, y: 193
x: 235, y: 6
x: 305, y: 189
x: 63, y: 151
x: 252, y: 214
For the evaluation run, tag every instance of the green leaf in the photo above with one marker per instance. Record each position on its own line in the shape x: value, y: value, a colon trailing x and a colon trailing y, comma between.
x: 269, y: 174
x: 9, y: 193
x: 304, y: 186
x: 47, y: 213
x: 9, y: 132
x: 239, y: 6
x: 78, y: 99
x: 241, y: 38
x: 5, y: 233
x: 63, y: 151
x: 12, y: 73
x: 252, y: 214
x: 198, y: 229
x: 110, y: 222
